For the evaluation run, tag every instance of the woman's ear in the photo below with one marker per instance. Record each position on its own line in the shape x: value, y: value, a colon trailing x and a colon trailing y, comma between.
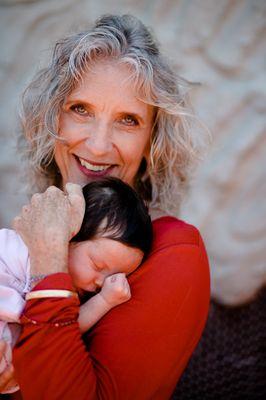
x: 147, y: 149
x: 142, y: 183
x: 146, y: 154
x: 142, y: 172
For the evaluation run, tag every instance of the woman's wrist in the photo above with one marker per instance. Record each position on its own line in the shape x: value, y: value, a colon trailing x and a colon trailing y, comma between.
x: 35, y: 279
x: 49, y: 262
x: 54, y: 281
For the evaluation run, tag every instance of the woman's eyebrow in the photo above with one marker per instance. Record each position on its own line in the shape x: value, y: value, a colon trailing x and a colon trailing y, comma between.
x: 78, y: 100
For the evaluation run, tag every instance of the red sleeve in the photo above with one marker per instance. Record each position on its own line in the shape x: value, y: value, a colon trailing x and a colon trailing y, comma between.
x: 140, y: 348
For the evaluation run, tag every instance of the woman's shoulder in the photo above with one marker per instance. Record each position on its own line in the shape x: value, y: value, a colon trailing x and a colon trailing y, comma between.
x: 168, y: 230
x: 181, y: 245
x: 179, y: 260
x: 177, y: 269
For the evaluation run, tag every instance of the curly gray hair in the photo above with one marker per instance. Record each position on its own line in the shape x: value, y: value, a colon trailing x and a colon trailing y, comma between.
x: 174, y: 144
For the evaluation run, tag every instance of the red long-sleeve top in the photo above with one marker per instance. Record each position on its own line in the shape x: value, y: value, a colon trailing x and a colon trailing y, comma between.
x: 140, y: 348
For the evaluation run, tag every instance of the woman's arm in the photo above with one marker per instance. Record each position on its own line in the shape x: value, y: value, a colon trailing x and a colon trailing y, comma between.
x: 138, y: 350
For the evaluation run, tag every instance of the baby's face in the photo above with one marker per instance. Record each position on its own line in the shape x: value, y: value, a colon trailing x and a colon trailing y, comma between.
x: 91, y: 261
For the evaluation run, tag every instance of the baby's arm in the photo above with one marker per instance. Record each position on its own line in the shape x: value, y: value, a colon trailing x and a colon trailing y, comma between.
x: 115, y: 291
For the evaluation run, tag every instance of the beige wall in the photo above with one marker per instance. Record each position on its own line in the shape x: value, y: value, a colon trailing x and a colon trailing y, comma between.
x: 218, y: 43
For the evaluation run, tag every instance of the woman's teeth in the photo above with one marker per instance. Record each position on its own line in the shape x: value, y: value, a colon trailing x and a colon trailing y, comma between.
x: 92, y: 167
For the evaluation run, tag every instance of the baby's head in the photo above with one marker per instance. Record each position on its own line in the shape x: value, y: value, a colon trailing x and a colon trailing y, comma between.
x: 115, y: 235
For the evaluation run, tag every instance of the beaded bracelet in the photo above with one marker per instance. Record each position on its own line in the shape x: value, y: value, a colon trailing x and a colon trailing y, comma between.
x: 36, y: 278
x: 55, y: 324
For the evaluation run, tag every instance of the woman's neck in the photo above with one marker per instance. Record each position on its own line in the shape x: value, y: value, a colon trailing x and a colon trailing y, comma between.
x: 156, y: 213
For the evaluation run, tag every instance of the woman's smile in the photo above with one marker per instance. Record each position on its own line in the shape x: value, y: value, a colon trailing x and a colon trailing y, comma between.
x: 106, y: 126
x: 94, y: 169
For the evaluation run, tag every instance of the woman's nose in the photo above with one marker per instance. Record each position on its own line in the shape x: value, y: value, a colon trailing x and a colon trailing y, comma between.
x: 99, y: 140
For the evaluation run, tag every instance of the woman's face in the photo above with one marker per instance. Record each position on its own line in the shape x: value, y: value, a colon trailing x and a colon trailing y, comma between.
x: 107, y: 129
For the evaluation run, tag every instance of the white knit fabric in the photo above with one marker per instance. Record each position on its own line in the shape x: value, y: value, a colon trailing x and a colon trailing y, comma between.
x: 14, y: 284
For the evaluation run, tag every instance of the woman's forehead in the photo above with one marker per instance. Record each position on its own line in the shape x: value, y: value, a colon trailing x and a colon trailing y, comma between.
x: 108, y: 78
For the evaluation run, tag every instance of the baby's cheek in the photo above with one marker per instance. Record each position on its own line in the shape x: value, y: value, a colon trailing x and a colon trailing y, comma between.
x: 73, y: 261
x: 72, y: 270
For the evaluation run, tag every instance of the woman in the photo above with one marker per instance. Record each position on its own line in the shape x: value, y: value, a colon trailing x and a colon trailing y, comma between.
x: 118, y: 111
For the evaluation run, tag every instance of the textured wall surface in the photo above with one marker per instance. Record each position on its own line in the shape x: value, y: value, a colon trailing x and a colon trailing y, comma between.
x: 220, y: 44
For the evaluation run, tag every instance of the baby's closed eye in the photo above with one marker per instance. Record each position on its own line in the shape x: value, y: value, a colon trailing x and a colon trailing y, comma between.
x: 100, y: 267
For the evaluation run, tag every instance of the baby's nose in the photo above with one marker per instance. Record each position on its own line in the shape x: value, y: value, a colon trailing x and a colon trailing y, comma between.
x: 99, y: 283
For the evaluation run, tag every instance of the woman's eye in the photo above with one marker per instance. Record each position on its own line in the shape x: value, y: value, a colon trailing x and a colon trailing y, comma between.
x: 129, y: 120
x: 79, y: 108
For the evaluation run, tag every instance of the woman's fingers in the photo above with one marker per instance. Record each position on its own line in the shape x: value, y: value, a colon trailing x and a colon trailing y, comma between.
x: 74, y: 188
x: 47, y: 224
x: 45, y: 227
x: 75, y: 195
x: 76, y: 199
x: 34, y: 200
x: 51, y: 214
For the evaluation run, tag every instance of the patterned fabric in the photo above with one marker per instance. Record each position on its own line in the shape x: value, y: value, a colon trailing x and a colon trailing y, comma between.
x: 230, y: 360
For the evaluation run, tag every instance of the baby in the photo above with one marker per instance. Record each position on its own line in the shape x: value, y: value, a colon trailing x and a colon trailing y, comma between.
x: 115, y: 235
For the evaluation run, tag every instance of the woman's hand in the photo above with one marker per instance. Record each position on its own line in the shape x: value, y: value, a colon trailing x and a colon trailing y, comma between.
x: 7, y: 375
x: 47, y: 224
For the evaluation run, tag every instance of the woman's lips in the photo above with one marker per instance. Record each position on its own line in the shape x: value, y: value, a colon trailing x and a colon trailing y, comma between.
x: 94, y: 169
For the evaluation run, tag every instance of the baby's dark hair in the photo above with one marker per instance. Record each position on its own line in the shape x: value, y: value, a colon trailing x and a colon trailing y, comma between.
x: 115, y: 210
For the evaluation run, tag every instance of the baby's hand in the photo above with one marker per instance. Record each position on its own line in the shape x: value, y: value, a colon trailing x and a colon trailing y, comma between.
x: 115, y: 289
x: 7, y: 380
